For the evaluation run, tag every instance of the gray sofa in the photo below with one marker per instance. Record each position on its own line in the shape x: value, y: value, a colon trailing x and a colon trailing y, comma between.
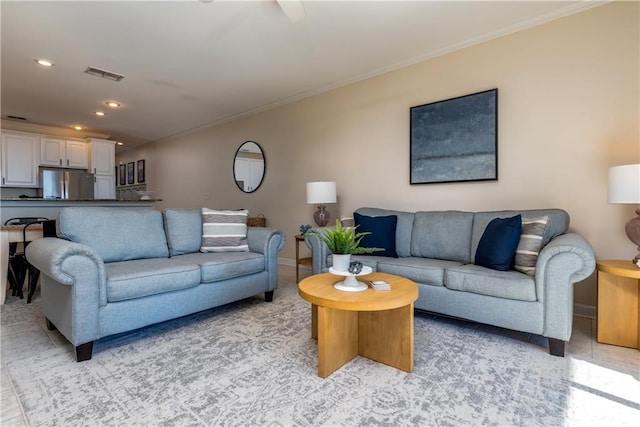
x: 437, y: 250
x: 113, y: 270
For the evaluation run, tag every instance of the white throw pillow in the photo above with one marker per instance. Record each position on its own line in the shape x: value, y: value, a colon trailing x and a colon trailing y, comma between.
x: 224, y: 230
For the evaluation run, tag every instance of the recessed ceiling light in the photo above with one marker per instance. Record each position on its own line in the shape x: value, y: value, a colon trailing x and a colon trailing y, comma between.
x: 77, y: 127
x: 100, y: 113
x: 119, y: 143
x: 44, y: 62
x: 112, y: 104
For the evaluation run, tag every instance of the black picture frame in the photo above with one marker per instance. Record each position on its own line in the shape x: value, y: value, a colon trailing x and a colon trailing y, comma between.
x: 122, y: 175
x: 455, y: 140
x: 140, y: 170
x: 130, y: 173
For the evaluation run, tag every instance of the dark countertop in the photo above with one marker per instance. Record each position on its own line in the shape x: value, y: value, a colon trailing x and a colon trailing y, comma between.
x: 40, y: 199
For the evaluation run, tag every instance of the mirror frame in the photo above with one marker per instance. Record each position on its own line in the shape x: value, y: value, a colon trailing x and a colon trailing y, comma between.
x: 264, y: 167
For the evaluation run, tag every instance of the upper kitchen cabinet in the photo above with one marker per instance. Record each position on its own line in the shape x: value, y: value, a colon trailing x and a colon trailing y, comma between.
x: 64, y: 153
x: 102, y: 165
x: 20, y: 154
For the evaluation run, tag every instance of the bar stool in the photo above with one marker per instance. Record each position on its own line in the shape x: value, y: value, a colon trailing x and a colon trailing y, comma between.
x: 18, y: 265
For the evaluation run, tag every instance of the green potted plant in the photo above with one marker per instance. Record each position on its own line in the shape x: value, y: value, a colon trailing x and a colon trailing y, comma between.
x: 343, y: 242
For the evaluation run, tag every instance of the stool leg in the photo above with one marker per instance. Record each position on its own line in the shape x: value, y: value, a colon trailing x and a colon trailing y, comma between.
x: 34, y: 274
x: 12, y: 279
x: 21, y: 275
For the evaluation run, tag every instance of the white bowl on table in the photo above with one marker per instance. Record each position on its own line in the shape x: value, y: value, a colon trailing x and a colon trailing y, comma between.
x: 145, y: 195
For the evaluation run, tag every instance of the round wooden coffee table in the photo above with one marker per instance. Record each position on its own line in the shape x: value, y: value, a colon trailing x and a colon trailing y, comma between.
x: 374, y: 324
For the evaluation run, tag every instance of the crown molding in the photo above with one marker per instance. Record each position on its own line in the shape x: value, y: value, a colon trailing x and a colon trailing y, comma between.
x: 6, y: 124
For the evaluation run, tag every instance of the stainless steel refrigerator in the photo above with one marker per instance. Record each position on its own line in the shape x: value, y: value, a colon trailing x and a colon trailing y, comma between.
x: 72, y: 184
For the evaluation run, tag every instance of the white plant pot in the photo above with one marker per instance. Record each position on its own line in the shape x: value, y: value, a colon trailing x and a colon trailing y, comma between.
x: 341, y: 262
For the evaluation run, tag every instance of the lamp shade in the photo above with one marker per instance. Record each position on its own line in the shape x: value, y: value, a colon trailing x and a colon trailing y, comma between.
x: 624, y: 184
x: 321, y: 192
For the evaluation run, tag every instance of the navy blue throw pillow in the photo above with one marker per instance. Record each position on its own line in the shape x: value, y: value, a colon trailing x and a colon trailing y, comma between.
x: 498, y: 244
x: 383, y: 233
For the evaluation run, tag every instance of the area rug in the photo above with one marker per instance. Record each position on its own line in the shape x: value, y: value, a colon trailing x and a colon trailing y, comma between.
x: 254, y: 363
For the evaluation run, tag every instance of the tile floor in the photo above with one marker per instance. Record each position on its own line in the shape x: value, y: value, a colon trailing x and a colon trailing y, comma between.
x: 583, y: 341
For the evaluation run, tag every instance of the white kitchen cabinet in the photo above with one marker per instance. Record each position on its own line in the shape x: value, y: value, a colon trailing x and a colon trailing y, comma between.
x: 249, y: 172
x: 66, y: 153
x: 20, y: 155
x: 102, y: 160
x: 104, y: 187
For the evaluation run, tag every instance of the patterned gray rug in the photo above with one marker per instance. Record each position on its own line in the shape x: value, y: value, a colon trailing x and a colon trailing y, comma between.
x: 254, y: 363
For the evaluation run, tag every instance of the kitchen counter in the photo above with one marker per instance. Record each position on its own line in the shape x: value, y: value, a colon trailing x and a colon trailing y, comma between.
x: 10, y: 201
x: 13, y: 207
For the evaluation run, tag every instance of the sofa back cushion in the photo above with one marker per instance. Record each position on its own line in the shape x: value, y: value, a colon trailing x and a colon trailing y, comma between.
x: 117, y: 234
x: 404, y: 227
x: 442, y: 235
x: 557, y: 223
x: 184, y: 230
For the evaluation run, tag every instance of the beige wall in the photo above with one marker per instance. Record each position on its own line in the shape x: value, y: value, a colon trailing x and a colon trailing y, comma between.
x: 568, y: 110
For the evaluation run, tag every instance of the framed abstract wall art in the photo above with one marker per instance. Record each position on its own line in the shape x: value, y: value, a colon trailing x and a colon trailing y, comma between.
x: 455, y: 140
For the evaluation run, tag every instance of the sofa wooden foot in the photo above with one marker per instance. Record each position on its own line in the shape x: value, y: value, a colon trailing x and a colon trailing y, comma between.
x: 50, y: 326
x: 556, y: 347
x: 268, y: 296
x: 84, y: 351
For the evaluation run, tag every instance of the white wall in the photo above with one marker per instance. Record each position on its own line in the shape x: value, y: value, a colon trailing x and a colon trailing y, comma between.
x: 568, y: 110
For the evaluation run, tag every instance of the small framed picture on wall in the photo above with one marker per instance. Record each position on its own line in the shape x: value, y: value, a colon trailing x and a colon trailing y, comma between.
x: 140, y: 166
x: 130, y: 173
x: 122, y: 175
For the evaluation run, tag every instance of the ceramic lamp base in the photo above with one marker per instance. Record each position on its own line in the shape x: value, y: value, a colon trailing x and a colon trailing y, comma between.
x: 321, y: 216
x: 633, y: 233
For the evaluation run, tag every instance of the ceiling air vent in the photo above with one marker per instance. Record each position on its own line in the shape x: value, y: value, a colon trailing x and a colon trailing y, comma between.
x: 104, y: 74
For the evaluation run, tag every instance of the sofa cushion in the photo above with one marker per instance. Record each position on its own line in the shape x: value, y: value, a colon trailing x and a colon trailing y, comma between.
x: 383, y: 233
x: 116, y: 234
x: 184, y: 230
x: 404, y: 227
x: 442, y: 235
x: 485, y: 281
x: 139, y: 278
x: 224, y: 230
x: 218, y: 266
x: 422, y: 270
x: 497, y: 246
x: 530, y: 244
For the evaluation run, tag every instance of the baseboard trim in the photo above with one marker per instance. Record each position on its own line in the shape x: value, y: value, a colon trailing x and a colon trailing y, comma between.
x: 287, y: 261
x: 583, y: 310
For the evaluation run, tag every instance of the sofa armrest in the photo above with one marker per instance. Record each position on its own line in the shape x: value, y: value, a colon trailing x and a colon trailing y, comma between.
x: 73, y: 284
x: 50, y: 256
x: 564, y: 261
x: 319, y: 250
x: 267, y: 241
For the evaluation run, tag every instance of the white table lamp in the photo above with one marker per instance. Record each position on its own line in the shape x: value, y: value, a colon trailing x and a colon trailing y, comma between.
x: 624, y: 187
x: 319, y: 193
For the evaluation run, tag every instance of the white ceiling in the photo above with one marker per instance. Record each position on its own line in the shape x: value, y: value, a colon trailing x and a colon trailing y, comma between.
x: 190, y: 64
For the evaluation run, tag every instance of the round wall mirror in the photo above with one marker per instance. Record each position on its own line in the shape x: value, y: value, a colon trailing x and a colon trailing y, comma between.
x: 249, y: 167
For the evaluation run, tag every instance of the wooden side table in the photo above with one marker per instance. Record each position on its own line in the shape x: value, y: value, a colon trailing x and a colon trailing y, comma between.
x: 618, y: 303
x: 300, y: 261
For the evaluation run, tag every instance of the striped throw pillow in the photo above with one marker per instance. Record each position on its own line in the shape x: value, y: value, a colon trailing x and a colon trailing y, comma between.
x: 530, y: 244
x: 224, y: 230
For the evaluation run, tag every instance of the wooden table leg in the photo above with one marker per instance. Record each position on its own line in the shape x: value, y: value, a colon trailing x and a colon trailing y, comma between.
x: 387, y: 336
x: 337, y: 339
x: 4, y: 263
x: 314, y: 322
